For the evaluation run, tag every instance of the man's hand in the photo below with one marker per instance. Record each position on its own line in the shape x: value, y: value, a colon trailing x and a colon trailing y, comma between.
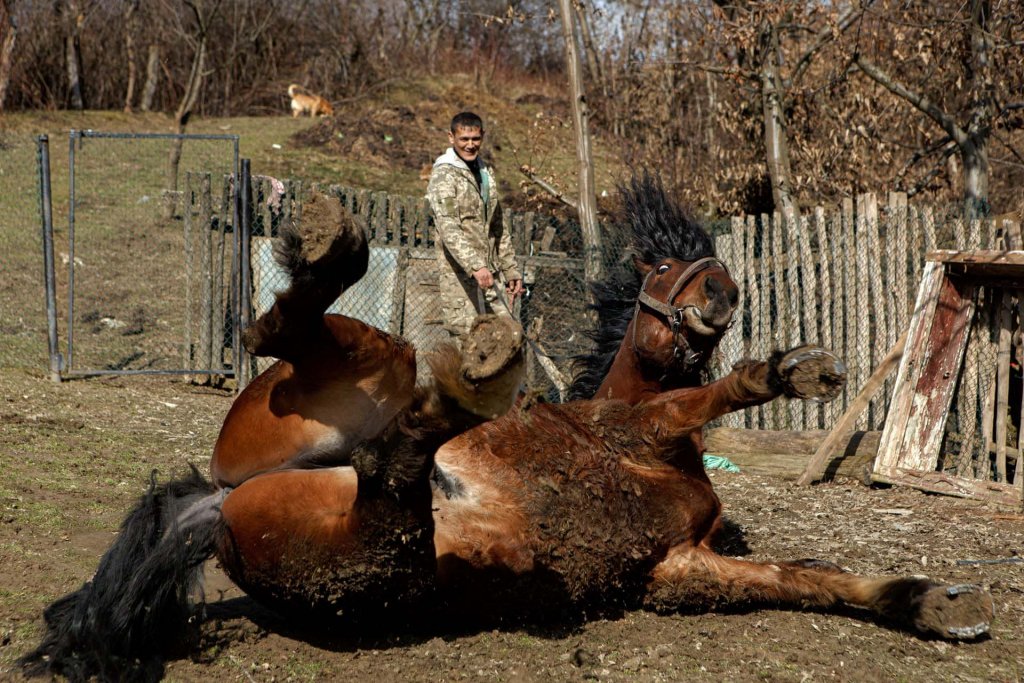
x: 513, y: 289
x: 484, y: 278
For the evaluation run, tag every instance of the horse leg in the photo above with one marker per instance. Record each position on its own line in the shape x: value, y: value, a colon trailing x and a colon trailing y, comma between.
x: 807, y: 372
x: 324, y: 253
x: 695, y: 577
x: 340, y: 381
x: 345, y: 539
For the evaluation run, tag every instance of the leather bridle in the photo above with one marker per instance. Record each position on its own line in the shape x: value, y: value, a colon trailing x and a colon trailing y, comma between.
x: 672, y: 314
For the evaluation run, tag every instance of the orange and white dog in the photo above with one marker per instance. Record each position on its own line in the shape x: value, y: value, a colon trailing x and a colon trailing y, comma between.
x: 304, y: 101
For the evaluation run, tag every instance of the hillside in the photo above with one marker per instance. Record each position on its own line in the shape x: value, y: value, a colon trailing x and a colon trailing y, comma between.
x: 380, y: 143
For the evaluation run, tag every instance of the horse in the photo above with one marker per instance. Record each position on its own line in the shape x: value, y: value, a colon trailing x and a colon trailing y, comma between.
x: 453, y: 499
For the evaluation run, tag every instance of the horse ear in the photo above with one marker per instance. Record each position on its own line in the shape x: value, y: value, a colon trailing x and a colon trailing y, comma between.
x: 644, y: 268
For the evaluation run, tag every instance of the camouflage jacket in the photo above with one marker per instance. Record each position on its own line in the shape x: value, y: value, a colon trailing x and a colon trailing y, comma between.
x: 471, y: 232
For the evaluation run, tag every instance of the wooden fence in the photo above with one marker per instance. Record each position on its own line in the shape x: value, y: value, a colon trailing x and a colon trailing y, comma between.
x: 844, y: 278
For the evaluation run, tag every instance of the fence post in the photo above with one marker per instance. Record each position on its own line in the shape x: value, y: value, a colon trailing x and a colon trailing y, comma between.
x: 49, y: 274
x: 189, y: 253
x: 205, y: 225
x: 243, y: 372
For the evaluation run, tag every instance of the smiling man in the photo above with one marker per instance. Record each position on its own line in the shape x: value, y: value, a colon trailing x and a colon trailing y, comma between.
x: 474, y: 251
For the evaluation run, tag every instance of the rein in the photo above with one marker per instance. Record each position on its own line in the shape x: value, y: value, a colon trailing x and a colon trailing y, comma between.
x: 673, y: 315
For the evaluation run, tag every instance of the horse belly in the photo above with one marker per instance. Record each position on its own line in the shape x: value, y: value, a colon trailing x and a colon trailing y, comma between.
x: 305, y: 539
x: 287, y: 422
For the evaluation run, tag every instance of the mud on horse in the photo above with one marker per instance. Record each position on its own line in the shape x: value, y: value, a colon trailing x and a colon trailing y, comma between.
x: 598, y: 503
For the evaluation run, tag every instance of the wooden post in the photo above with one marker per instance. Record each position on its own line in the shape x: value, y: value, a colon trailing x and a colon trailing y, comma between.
x: 810, y: 309
x: 778, y: 336
x: 190, y: 266
x: 379, y: 218
x: 845, y: 426
x: 754, y: 280
x: 879, y: 303
x: 205, y: 223
x: 226, y: 210
x: 862, y: 359
x: 792, y: 225
x: 397, y: 326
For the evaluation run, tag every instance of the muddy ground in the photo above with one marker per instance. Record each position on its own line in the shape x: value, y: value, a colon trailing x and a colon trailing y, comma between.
x: 75, y: 456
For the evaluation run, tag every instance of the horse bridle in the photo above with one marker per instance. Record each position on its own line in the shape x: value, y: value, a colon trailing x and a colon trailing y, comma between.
x: 674, y: 315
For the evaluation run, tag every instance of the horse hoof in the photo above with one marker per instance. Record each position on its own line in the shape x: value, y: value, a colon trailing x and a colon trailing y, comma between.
x: 812, y: 373
x: 494, y: 343
x: 960, y: 612
x: 328, y: 232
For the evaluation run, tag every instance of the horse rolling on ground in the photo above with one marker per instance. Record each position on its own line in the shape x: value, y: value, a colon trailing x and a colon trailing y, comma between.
x: 434, y: 506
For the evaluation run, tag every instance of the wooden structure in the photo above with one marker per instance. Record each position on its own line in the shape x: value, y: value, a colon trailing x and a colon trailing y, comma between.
x: 956, y: 285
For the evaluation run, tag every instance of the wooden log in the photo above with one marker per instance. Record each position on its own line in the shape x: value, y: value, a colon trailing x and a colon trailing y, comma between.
x: 845, y: 426
x: 786, y: 453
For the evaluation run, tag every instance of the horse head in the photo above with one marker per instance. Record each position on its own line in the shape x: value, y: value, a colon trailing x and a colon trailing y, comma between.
x: 682, y: 310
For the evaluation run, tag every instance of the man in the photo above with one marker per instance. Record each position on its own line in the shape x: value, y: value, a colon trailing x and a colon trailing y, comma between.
x: 474, y: 251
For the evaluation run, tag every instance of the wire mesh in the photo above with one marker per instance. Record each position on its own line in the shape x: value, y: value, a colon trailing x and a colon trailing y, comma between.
x: 23, y: 327
x: 148, y: 254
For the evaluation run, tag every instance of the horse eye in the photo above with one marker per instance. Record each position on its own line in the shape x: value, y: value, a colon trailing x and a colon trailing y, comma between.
x: 662, y: 270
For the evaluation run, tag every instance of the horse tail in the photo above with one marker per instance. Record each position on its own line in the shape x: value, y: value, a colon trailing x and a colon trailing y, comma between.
x: 140, y: 601
x: 324, y: 253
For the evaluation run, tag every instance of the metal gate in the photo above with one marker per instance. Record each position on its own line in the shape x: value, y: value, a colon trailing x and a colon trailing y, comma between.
x: 149, y: 270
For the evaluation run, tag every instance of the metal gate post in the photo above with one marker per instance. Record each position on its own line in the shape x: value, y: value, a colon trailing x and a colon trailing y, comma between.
x: 49, y: 275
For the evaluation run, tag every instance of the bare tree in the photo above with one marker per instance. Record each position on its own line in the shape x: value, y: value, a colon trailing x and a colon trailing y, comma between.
x: 203, y: 16
x: 971, y: 132
x: 152, y: 77
x: 74, y: 18
x: 131, y: 13
x: 587, y: 204
x: 8, y: 37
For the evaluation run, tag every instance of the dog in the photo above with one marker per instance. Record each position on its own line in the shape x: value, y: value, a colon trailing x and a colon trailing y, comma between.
x: 304, y: 101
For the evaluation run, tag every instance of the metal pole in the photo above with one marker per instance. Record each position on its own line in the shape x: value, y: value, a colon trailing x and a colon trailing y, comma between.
x: 236, y: 232
x: 49, y: 276
x: 71, y: 246
x: 245, y: 271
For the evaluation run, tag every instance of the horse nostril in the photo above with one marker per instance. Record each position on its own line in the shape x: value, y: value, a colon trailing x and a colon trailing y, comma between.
x: 712, y: 288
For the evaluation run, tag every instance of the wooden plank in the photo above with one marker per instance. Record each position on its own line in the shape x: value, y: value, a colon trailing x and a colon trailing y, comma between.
x: 915, y: 231
x: 757, y: 312
x: 939, y: 482
x: 396, y: 326
x: 845, y: 426
x: 897, y: 250
x: 810, y: 306
x: 938, y: 354
x: 881, y: 338
x: 792, y: 227
x: 204, y: 222
x: 911, y: 366
x: 379, y: 219
x: 395, y: 224
x: 847, y: 301
x: 778, y: 334
x: 190, y: 274
x: 862, y: 359
x: 786, y: 453
x: 1002, y: 383
x: 928, y: 228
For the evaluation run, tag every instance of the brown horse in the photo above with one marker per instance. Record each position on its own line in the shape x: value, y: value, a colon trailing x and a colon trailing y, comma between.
x: 588, y: 503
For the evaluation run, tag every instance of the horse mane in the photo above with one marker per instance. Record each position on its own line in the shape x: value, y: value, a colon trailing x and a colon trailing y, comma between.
x: 658, y: 228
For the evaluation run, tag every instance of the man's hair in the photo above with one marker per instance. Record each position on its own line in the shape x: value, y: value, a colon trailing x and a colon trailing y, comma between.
x: 467, y: 119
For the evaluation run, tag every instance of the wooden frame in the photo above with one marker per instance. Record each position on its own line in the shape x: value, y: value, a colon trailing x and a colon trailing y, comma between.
x: 934, y: 358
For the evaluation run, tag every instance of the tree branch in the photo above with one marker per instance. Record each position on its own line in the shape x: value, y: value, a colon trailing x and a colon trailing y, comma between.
x: 825, y: 36
x: 925, y: 105
x: 547, y: 187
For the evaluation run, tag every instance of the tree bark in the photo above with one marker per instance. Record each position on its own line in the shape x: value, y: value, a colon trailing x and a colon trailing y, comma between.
x: 8, y: 37
x: 73, y: 54
x: 130, y: 25
x: 587, y: 199
x: 776, y: 136
x: 152, y: 76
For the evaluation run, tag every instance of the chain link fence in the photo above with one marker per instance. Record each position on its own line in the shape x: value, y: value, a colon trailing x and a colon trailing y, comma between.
x: 142, y: 255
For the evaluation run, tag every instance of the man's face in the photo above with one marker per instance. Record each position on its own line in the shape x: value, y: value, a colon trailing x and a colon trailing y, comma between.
x: 466, y: 142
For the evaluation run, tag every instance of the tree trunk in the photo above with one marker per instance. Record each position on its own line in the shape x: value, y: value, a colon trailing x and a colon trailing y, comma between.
x: 152, y: 76
x: 8, y: 36
x: 776, y: 141
x: 587, y: 199
x: 181, y: 117
x: 975, y: 153
x: 73, y: 55
x: 130, y: 26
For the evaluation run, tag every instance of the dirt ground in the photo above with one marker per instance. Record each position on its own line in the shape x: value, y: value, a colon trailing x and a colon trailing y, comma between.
x: 77, y: 454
